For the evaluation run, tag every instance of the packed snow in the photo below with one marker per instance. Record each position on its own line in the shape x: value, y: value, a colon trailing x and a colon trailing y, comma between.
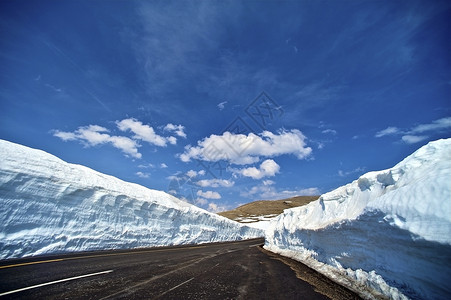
x: 387, y: 234
x: 48, y: 205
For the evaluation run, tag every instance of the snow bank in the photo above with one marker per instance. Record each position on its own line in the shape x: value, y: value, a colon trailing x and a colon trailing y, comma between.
x: 387, y: 234
x: 48, y: 205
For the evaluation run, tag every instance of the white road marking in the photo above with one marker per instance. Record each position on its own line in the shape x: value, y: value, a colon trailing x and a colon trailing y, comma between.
x: 54, y: 282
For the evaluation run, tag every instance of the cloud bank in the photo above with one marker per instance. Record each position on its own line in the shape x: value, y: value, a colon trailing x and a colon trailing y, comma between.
x: 418, y: 133
x: 94, y: 135
x: 268, y: 168
x: 244, y: 149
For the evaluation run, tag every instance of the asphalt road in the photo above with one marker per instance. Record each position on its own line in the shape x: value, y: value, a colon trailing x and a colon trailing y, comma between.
x: 235, y: 270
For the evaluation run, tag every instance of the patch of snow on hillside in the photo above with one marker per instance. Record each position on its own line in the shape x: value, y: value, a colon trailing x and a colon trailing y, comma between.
x: 259, y: 222
x: 386, y: 234
x: 48, y: 205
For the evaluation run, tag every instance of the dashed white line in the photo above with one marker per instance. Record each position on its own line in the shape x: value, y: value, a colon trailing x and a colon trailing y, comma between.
x: 54, y: 282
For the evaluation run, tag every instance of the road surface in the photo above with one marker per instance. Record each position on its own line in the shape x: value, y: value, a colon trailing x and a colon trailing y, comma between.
x: 234, y: 270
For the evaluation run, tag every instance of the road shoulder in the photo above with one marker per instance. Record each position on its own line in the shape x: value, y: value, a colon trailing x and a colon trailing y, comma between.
x: 321, y: 283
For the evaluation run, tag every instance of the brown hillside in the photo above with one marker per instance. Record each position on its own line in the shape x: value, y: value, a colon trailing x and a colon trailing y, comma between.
x: 266, y: 207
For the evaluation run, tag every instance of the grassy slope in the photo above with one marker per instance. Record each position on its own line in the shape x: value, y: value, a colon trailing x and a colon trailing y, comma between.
x: 267, y: 207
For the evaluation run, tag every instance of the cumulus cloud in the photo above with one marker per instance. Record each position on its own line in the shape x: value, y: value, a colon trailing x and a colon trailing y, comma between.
x: 244, y: 149
x: 200, y: 201
x: 163, y: 165
x: 208, y: 194
x: 172, y: 140
x: 142, y: 174
x: 417, y: 133
x: 177, y: 129
x: 142, y: 132
x: 268, y: 168
x: 215, y: 183
x: 215, y: 208
x: 192, y: 173
x: 94, y: 135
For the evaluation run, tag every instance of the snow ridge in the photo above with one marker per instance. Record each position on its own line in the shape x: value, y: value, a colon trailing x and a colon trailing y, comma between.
x: 387, y: 234
x: 48, y: 205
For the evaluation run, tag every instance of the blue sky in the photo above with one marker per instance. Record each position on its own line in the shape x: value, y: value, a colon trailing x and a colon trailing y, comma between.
x: 226, y: 102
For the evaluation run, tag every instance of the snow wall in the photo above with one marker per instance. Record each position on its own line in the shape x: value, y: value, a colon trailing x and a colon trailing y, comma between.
x: 385, y: 235
x: 48, y: 206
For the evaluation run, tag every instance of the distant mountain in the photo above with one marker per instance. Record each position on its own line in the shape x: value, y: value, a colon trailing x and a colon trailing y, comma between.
x: 255, y: 211
x: 48, y: 205
x: 385, y: 235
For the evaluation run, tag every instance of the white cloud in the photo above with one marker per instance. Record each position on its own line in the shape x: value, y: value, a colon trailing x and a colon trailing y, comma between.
x: 175, y: 177
x: 126, y: 145
x: 94, y: 135
x: 246, y: 149
x: 177, y: 129
x: 302, y: 192
x: 146, y: 166
x: 209, y: 194
x: 268, y: 182
x: 142, y: 175
x: 65, y: 136
x: 388, y: 131
x: 200, y: 201
x: 440, y: 124
x: 416, y: 134
x: 172, y: 140
x: 268, y: 168
x: 215, y: 208
x: 221, y: 105
x: 412, y: 139
x: 269, y: 192
x: 329, y: 131
x: 163, y: 165
x: 192, y: 173
x: 142, y: 131
x: 215, y: 183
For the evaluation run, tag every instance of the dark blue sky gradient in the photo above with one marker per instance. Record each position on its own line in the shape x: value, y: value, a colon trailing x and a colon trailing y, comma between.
x: 366, y: 82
